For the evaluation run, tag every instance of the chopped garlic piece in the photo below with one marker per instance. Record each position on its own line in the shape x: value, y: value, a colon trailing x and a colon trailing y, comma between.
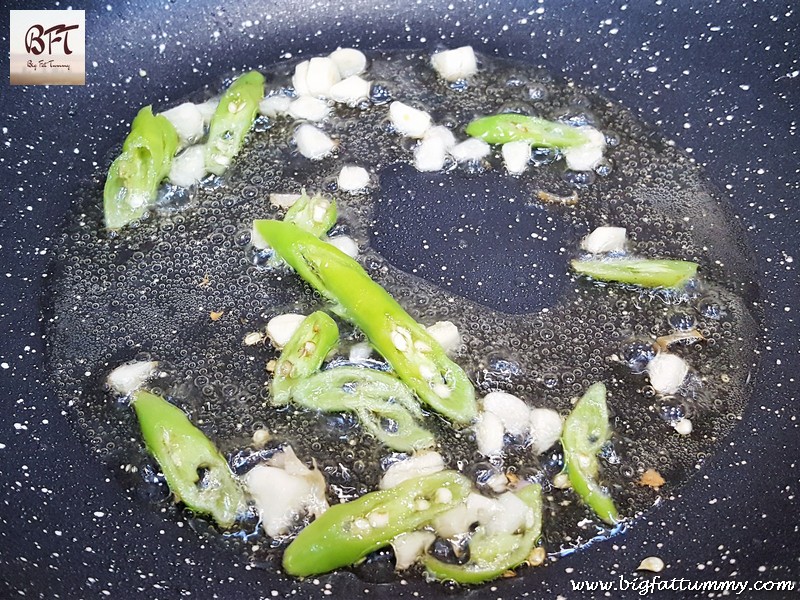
x: 489, y: 433
x: 284, y: 489
x: 187, y: 119
x: 274, y: 106
x: 351, y: 90
x: 455, y: 64
x: 322, y: 75
x: 455, y: 521
x: 349, y: 61
x: 352, y: 178
x: 189, y: 166
x: 253, y: 338
x: 312, y: 142
x: 516, y: 156
x: 446, y: 335
x: 683, y: 426
x: 441, y: 134
x: 408, y: 120
x: 605, y: 239
x: 344, y: 243
x: 430, y: 155
x: 425, y: 463
x: 126, y: 379
x: 309, y: 108
x: 320, y: 210
x: 408, y: 547
x: 360, y: 351
x: 586, y: 156
x: 497, y: 482
x: 651, y: 563
x: 261, y: 437
x: 512, y: 411
x: 471, y: 149
x: 280, y: 329
x: 315, y: 77
x: 511, y: 515
x: 545, y: 428
x: 300, y: 79
x: 284, y: 200
x: 207, y: 110
x: 667, y: 372
x: 561, y: 481
x: 459, y: 519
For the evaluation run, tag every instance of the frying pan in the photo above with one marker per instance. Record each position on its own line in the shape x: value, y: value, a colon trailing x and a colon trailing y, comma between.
x: 718, y: 77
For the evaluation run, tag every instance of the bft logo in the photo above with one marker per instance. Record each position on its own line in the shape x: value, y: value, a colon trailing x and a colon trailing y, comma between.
x: 48, y: 47
x: 35, y: 40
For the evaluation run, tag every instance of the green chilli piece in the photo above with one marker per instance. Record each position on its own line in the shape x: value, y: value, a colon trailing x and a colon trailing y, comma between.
x: 197, y: 474
x: 377, y: 398
x: 419, y: 361
x: 316, y: 214
x: 538, y: 132
x: 586, y: 429
x: 346, y: 533
x: 650, y: 273
x: 132, y: 182
x: 232, y: 120
x: 303, y: 355
x: 492, y: 554
x: 402, y: 434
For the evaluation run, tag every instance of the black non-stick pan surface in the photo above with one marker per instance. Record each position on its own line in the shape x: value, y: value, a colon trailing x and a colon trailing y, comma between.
x: 720, y: 78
